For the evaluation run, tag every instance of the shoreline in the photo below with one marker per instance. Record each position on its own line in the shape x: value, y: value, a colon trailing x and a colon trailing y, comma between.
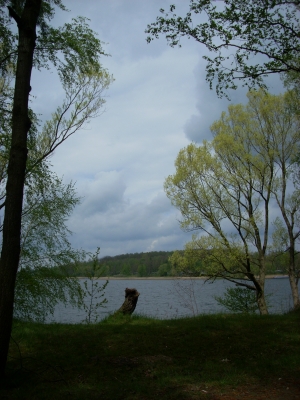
x: 137, y: 278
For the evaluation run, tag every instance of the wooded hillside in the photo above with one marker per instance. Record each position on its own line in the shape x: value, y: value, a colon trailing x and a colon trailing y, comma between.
x: 153, y: 264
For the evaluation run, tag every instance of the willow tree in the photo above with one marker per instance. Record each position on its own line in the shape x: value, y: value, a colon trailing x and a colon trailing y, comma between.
x: 280, y: 118
x: 276, y: 137
x: 226, y: 189
x: 42, y: 281
x: 29, y: 41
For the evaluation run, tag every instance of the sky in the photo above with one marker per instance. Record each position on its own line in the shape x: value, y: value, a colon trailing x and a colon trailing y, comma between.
x: 159, y: 103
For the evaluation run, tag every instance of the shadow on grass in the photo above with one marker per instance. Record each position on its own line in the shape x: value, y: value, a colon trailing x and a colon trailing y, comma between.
x: 136, y: 357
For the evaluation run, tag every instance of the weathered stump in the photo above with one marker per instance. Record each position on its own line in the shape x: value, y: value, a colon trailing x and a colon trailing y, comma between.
x: 131, y: 298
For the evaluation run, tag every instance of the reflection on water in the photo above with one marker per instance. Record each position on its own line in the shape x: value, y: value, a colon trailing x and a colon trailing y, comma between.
x: 171, y: 298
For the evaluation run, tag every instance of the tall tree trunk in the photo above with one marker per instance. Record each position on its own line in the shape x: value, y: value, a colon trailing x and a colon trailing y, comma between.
x: 294, y: 289
x: 293, y: 278
x: 261, y: 299
x: 260, y: 293
x: 26, y: 23
x: 261, y: 302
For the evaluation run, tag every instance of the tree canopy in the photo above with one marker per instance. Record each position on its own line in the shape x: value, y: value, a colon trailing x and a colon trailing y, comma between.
x: 227, y: 188
x: 248, y: 40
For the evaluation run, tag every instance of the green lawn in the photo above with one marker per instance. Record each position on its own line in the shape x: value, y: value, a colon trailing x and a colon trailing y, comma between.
x: 212, y: 357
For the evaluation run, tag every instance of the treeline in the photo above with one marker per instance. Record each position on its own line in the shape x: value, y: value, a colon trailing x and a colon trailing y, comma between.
x: 154, y: 264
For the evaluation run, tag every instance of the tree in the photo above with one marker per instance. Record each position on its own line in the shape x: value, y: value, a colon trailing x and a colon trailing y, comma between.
x: 126, y: 270
x: 72, y: 49
x: 48, y: 202
x: 165, y: 269
x: 285, y: 237
x: 250, y: 39
x: 281, y: 123
x: 42, y: 281
x: 16, y: 172
x: 39, y: 290
x: 226, y: 188
x: 142, y: 270
x: 44, y: 236
x: 215, y: 200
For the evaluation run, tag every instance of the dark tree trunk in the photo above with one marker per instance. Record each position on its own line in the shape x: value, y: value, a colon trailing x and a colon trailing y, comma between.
x: 131, y: 298
x: 10, y: 253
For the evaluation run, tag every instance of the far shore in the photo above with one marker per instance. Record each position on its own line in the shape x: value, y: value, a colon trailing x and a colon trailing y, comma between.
x: 166, y: 277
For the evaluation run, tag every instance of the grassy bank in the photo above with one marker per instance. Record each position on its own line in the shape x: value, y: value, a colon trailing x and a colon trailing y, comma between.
x: 209, y: 357
x: 163, y: 278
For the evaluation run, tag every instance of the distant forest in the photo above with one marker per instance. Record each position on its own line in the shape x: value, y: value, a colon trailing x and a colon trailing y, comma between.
x: 150, y: 264
x: 154, y: 263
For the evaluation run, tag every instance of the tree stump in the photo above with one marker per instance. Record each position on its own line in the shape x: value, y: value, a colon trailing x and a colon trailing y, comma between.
x: 131, y: 298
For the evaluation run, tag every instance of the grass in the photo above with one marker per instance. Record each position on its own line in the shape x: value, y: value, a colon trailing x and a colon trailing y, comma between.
x: 210, y: 356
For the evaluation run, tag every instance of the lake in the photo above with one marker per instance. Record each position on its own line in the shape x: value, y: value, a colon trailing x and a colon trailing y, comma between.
x: 171, y: 298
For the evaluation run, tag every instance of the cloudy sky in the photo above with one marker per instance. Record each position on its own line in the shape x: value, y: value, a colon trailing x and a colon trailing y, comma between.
x: 158, y: 104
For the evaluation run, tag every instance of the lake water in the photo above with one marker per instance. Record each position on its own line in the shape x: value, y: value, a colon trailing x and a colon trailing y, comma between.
x: 171, y: 298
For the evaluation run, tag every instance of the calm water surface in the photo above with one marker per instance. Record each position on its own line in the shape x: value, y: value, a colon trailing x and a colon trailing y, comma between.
x: 171, y: 298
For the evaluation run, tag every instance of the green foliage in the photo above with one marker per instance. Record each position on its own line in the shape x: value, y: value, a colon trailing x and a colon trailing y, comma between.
x: 142, y: 271
x: 48, y: 204
x: 228, y: 186
x: 186, y: 265
x: 42, y: 279
x: 66, y: 47
x: 104, y: 270
x: 39, y: 290
x: 75, y: 51
x: 162, y: 264
x: 94, y: 291
x: 239, y: 300
x: 126, y: 271
x: 248, y: 39
x: 128, y: 264
x: 165, y: 269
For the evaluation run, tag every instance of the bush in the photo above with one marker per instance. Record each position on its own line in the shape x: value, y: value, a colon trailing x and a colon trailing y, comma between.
x: 238, y: 299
